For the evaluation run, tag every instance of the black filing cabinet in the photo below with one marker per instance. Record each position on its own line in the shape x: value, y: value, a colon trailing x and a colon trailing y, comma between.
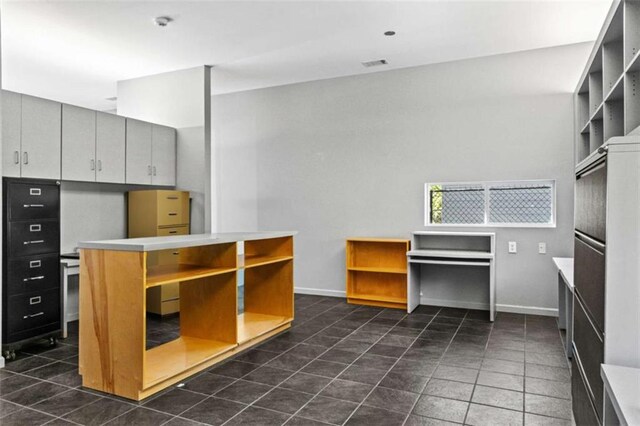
x: 588, y: 302
x: 31, y: 297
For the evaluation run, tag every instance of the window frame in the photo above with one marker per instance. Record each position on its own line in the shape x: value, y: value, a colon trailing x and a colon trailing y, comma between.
x: 486, y: 185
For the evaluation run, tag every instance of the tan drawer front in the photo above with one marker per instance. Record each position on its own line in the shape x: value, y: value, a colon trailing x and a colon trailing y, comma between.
x: 173, y: 208
x: 175, y: 230
x: 170, y: 292
x: 170, y: 307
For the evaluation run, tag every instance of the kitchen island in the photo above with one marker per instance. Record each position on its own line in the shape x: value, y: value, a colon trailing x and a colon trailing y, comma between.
x: 115, y: 274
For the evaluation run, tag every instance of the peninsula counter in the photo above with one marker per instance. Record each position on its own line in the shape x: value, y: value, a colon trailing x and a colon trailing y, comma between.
x: 115, y: 274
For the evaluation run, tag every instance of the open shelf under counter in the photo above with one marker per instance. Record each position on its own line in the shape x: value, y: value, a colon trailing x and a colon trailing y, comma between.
x: 252, y: 325
x: 377, y: 298
x: 465, y: 254
x: 252, y: 261
x: 166, y: 274
x: 380, y: 269
x: 177, y: 356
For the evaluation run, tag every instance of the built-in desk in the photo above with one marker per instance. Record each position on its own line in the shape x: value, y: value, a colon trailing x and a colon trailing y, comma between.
x: 114, y: 276
x: 621, y: 395
x: 565, y: 299
x: 458, y: 249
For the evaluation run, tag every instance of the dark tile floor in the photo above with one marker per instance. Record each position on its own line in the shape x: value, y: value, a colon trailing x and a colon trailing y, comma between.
x: 339, y: 364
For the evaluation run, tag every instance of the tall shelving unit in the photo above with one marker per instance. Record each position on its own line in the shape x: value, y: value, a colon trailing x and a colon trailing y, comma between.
x: 607, y: 99
x: 377, y: 271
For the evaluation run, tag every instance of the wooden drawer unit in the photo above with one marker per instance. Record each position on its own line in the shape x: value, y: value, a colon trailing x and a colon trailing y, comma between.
x: 591, y: 201
x: 33, y: 237
x: 33, y: 310
x: 589, y: 277
x: 590, y: 349
x: 32, y: 201
x: 160, y: 213
x: 30, y: 274
x: 173, y: 208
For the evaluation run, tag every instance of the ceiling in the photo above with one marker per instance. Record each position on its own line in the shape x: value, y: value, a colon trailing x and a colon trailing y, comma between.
x: 76, y: 51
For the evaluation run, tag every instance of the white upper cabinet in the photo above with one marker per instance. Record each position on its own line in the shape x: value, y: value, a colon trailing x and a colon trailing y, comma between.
x: 138, y: 152
x: 41, y: 138
x: 110, y: 148
x: 11, y: 129
x: 78, y: 143
x: 163, y: 155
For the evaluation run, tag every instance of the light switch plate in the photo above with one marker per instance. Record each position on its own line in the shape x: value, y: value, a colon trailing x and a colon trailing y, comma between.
x: 513, y: 247
x: 542, y: 248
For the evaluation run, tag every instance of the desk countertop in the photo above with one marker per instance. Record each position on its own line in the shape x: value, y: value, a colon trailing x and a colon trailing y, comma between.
x: 179, y: 241
x: 623, y: 387
x: 565, y: 267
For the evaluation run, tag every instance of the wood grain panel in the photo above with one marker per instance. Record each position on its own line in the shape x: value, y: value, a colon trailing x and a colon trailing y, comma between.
x: 209, y: 308
x: 216, y: 255
x: 269, y: 289
x: 112, y: 321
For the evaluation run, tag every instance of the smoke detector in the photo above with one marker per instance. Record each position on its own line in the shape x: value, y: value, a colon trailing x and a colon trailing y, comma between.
x: 162, y: 21
x: 375, y: 63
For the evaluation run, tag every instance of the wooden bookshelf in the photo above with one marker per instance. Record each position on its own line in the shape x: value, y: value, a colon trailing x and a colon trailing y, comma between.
x: 113, y: 358
x: 377, y: 271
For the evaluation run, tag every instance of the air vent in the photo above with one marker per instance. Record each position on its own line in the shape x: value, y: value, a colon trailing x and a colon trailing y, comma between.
x: 377, y: 63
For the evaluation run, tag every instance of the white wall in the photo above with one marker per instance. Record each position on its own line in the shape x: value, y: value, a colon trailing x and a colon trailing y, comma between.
x: 349, y: 157
x: 179, y: 99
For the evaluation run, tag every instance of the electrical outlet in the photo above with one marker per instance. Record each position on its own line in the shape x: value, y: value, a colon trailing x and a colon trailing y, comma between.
x: 542, y: 248
x: 513, y: 247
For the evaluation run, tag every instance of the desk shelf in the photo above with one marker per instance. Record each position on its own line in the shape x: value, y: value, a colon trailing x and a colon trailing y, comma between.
x: 252, y: 325
x: 167, y: 274
x: 377, y: 272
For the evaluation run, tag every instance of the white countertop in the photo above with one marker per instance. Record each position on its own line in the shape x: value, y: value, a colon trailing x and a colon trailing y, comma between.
x: 623, y: 387
x: 565, y: 267
x: 179, y: 241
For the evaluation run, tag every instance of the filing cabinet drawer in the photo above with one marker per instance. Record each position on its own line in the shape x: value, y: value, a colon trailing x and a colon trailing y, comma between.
x: 589, y: 278
x: 33, y: 237
x: 33, y: 310
x: 590, y: 349
x: 173, y: 208
x: 32, y: 274
x: 591, y: 202
x: 33, y: 201
x: 583, y: 411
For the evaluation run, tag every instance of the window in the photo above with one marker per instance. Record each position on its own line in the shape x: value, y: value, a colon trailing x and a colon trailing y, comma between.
x: 518, y: 203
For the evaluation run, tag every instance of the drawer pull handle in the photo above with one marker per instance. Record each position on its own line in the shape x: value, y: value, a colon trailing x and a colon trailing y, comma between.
x: 39, y: 277
x: 35, y: 300
x: 33, y: 242
x: 31, y: 206
x: 176, y: 253
x: 173, y: 214
x: 33, y: 315
x: 172, y: 197
x: 35, y: 228
x: 35, y: 264
x: 35, y: 191
x: 173, y: 232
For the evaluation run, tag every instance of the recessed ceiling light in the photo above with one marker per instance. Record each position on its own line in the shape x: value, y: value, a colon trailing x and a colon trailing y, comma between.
x: 162, y: 21
x: 389, y: 33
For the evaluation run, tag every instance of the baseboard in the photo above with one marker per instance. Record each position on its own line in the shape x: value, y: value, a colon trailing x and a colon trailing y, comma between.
x: 528, y: 310
x: 320, y: 292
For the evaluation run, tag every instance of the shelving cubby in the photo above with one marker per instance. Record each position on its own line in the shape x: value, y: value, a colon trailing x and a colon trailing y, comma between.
x: 610, y: 82
x: 268, y: 287
x: 377, y: 271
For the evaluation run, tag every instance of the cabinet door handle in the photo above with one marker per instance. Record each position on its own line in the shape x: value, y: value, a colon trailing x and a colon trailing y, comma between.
x: 39, y: 277
x: 33, y: 315
x: 149, y: 170
x: 35, y: 300
x: 25, y: 158
x: 99, y: 165
x: 33, y: 242
x: 31, y: 206
x: 16, y: 157
x: 154, y: 170
x: 35, y: 228
x: 92, y: 164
